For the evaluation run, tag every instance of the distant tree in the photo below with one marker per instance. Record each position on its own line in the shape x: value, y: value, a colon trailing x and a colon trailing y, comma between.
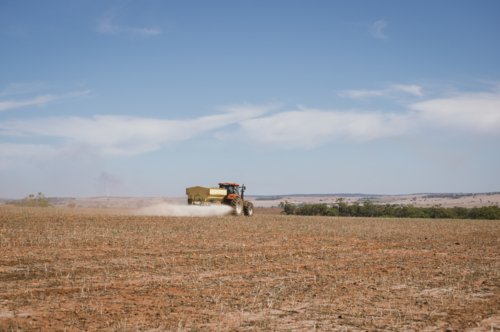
x: 33, y: 201
x: 341, y: 207
x: 72, y: 205
x: 288, y: 208
x: 369, y: 209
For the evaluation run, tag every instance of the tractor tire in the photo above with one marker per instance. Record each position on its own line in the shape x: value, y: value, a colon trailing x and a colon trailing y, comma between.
x: 190, y: 201
x: 248, y: 209
x: 237, y: 205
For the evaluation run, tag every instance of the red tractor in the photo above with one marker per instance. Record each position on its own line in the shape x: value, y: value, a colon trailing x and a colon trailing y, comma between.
x: 235, y: 200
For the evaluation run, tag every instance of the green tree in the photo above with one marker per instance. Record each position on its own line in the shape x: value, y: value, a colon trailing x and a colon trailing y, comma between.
x: 288, y: 208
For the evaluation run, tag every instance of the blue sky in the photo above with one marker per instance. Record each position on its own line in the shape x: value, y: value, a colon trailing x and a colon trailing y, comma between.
x: 146, y: 98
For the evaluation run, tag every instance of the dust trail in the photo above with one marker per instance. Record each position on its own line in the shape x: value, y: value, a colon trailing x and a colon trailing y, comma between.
x: 166, y: 209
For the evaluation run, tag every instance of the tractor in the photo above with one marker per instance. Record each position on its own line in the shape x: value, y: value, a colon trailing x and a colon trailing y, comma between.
x: 227, y: 194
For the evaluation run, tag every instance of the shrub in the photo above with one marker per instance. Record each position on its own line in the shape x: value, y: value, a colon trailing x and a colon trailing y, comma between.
x: 368, y: 209
x: 288, y: 208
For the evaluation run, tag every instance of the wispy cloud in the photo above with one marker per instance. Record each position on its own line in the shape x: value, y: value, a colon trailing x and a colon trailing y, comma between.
x: 128, y: 136
x: 300, y: 128
x: 473, y: 112
x: 308, y: 128
x: 390, y: 92
x: 38, y: 100
x: 376, y: 29
x: 107, y: 26
x: 411, y: 89
x: 358, y: 94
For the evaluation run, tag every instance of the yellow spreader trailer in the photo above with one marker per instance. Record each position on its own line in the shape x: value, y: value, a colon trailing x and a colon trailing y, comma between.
x: 205, y: 195
x: 227, y: 193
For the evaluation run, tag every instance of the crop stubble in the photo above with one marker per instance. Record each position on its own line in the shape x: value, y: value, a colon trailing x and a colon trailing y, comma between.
x: 65, y: 269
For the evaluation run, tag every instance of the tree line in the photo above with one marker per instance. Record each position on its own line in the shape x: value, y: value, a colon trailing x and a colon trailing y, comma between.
x: 369, y: 209
x: 33, y: 201
x: 452, y: 196
x: 270, y: 198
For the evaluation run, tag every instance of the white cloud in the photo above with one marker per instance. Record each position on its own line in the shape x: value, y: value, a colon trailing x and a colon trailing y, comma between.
x: 466, y: 113
x: 106, y: 26
x: 38, y: 100
x: 358, y: 94
x: 128, y: 136
x: 473, y: 112
x: 411, y: 89
x: 376, y: 29
x: 309, y: 128
x: 388, y: 93
x: 104, y: 136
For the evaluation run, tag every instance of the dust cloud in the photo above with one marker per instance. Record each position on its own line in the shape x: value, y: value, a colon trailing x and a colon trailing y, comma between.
x: 174, y: 210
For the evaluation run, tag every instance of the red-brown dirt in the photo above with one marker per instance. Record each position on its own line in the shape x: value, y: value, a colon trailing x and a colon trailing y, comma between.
x: 65, y: 269
x: 268, y: 211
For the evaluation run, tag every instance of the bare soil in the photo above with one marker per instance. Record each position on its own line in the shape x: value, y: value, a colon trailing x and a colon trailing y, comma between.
x: 268, y: 211
x: 105, y: 269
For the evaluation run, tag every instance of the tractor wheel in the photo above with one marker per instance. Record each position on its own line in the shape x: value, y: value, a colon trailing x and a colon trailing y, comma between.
x: 190, y: 201
x: 248, y: 209
x: 237, y: 205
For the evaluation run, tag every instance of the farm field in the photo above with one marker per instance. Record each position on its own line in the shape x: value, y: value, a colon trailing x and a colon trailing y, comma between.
x: 106, y: 269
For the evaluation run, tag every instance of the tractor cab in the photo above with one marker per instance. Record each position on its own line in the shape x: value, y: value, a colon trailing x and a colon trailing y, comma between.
x: 233, y: 189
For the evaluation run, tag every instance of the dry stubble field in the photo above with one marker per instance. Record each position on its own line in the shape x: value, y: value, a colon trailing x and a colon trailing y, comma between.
x: 76, y: 269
